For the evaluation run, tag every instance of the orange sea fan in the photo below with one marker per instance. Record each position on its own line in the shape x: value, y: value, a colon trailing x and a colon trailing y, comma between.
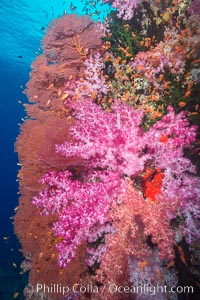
x: 67, y: 43
x: 71, y: 39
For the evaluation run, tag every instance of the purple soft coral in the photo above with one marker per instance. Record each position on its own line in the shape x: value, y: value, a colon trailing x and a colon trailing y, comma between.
x: 125, y: 8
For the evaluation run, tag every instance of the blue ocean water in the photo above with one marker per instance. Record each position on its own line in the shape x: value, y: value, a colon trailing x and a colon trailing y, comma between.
x: 22, y: 26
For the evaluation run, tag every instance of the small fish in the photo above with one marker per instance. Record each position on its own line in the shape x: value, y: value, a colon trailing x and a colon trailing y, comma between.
x: 93, y: 3
x: 196, y: 61
x: 42, y: 28
x: 171, y: 264
x: 40, y: 255
x: 147, y: 42
x: 15, y: 295
x: 20, y: 56
x: 166, y: 84
x: 187, y: 93
x: 6, y: 238
x: 46, y: 14
x: 126, y: 96
x: 64, y: 96
x: 159, y: 273
x: 50, y: 86
x: 161, y: 77
x: 181, y: 104
x: 96, y: 13
x: 143, y: 264
x: 14, y: 265
x: 182, y: 255
x: 72, y: 7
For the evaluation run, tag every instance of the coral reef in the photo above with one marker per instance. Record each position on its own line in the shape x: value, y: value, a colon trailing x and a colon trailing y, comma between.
x: 109, y: 155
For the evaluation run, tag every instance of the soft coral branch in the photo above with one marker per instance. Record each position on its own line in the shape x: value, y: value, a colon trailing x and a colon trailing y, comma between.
x: 81, y: 207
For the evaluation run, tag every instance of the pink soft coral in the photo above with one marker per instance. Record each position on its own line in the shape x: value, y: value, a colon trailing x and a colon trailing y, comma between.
x: 109, y: 140
x: 125, y: 8
x: 168, y: 55
x: 92, y: 84
x: 82, y: 206
x: 114, y: 146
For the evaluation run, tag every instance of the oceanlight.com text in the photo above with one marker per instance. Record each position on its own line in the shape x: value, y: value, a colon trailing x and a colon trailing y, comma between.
x: 112, y: 288
x: 150, y: 289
